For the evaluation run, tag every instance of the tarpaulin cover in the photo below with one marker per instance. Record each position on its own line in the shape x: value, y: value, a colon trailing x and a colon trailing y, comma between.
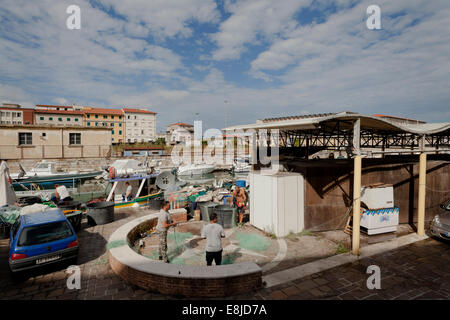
x: 7, y: 194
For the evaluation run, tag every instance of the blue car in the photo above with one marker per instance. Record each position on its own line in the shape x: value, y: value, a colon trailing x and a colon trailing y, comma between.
x: 39, y: 239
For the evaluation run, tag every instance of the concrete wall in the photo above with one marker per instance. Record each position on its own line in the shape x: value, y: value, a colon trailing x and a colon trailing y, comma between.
x: 328, y: 188
x: 54, y: 144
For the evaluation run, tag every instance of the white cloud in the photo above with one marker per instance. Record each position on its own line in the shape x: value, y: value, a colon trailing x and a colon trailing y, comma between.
x: 252, y: 19
x: 165, y: 18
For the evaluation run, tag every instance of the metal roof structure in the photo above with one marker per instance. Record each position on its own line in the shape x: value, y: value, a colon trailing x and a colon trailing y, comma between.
x: 336, y: 131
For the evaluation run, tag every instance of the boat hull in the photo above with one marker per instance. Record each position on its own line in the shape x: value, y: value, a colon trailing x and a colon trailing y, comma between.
x: 141, y: 201
x: 48, y: 182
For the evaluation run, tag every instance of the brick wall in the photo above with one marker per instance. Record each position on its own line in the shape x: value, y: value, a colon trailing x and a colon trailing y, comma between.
x: 189, y: 287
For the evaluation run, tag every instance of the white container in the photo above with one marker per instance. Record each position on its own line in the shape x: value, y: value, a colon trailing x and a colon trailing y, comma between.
x: 378, y: 196
x: 380, y: 220
x: 277, y: 202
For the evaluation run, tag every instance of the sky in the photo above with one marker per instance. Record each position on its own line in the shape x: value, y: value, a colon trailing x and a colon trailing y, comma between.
x: 229, y: 62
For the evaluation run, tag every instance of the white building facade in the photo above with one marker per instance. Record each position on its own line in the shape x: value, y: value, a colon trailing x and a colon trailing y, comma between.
x: 140, y: 125
x: 179, y: 133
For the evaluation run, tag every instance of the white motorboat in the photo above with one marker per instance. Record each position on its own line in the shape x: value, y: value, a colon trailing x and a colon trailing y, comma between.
x: 242, y: 165
x: 196, y: 169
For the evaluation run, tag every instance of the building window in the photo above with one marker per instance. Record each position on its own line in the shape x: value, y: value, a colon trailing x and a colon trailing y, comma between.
x: 112, y: 124
x: 96, y: 124
x: 105, y: 117
x: 25, y: 138
x: 112, y: 131
x: 50, y: 118
x: 120, y: 131
x: 105, y: 124
x: 96, y: 116
x: 88, y: 116
x: 59, y: 119
x: 68, y: 119
x: 89, y: 124
x: 76, y: 119
x: 41, y: 118
x: 74, y: 138
x: 112, y: 117
x: 120, y: 117
x: 120, y: 125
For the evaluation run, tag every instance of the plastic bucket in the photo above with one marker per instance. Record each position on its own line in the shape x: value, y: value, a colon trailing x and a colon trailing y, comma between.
x: 226, y: 216
x: 70, y: 205
x: 100, y: 212
x: 206, y: 208
x: 241, y: 183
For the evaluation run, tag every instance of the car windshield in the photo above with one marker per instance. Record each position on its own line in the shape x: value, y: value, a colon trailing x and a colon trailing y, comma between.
x: 44, y: 233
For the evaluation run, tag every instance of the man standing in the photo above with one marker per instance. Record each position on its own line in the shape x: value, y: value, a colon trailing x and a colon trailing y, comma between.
x: 213, y: 232
x: 128, y: 192
x: 164, y: 223
x: 239, y: 200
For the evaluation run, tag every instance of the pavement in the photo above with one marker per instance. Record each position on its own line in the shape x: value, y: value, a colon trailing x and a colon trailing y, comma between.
x: 416, y: 271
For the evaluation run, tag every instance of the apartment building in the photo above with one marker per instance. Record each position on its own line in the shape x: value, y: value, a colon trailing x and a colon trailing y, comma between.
x: 140, y: 125
x: 179, y: 133
x: 106, y: 118
x: 58, y: 117
x: 15, y: 114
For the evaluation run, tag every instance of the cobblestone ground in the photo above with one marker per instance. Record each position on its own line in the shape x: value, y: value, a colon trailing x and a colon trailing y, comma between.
x: 418, y: 271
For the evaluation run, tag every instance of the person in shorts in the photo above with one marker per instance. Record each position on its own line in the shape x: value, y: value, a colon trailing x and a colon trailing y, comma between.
x: 213, y: 232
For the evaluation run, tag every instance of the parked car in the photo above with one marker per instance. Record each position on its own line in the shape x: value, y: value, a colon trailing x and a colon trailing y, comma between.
x: 40, y: 239
x: 440, y: 226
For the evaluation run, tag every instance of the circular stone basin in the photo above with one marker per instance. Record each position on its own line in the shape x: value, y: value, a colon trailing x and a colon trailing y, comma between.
x: 192, y: 280
x: 186, y: 247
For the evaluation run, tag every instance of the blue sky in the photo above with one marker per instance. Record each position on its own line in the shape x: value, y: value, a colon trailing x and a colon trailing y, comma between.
x: 264, y: 58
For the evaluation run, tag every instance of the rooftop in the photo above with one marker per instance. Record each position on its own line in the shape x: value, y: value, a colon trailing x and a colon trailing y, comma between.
x: 138, y: 111
x: 74, y: 112
x: 103, y: 111
x: 181, y: 124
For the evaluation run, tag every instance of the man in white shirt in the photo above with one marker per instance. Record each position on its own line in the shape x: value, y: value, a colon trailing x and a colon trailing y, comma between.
x: 213, y: 232
x: 164, y: 223
x: 128, y: 192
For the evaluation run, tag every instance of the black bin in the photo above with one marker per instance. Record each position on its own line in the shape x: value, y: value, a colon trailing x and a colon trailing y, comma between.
x: 100, y: 212
x: 75, y: 219
x: 226, y: 215
x: 155, y: 203
x: 70, y: 205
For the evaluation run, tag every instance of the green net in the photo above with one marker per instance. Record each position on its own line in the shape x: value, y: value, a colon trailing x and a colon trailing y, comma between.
x: 253, y: 242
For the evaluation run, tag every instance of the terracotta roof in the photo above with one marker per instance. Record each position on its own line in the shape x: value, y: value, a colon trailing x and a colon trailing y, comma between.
x: 143, y: 148
x: 16, y: 109
x: 181, y: 124
x: 52, y: 106
x: 138, y: 111
x: 103, y: 111
x: 59, y: 111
